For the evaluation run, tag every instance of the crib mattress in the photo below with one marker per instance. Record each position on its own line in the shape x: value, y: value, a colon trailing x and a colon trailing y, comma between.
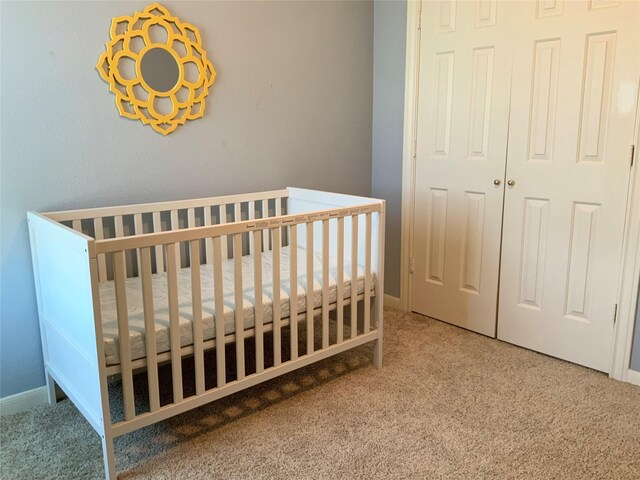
x: 161, y: 303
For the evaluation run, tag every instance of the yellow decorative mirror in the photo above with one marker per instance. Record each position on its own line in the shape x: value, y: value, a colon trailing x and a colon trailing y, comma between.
x: 157, y: 68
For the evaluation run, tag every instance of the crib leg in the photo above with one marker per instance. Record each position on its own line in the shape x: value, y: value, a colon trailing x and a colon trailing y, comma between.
x: 378, y: 315
x: 377, y: 353
x: 109, y: 457
x: 51, y: 389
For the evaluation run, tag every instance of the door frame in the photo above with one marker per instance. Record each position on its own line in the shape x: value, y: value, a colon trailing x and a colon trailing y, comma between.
x: 629, y: 280
x: 409, y: 143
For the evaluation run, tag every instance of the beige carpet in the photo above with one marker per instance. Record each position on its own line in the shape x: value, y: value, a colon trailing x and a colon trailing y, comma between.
x: 447, y: 404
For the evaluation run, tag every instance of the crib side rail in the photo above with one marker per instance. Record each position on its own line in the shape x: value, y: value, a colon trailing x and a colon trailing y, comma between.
x: 65, y: 298
x: 196, y: 233
x: 361, y: 327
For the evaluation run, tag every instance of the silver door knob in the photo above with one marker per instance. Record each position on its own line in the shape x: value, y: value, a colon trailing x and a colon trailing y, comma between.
x: 511, y: 183
x: 497, y: 182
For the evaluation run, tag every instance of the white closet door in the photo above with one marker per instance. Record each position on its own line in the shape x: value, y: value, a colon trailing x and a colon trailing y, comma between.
x: 465, y: 68
x: 575, y: 80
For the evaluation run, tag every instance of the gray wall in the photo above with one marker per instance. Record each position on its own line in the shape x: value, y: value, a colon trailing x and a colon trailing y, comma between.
x: 291, y: 106
x: 389, y: 37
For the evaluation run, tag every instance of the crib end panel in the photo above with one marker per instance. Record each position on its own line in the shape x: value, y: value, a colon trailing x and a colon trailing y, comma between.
x: 65, y: 272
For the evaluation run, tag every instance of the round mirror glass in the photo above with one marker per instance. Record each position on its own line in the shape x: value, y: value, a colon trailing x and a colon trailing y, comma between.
x: 159, y: 69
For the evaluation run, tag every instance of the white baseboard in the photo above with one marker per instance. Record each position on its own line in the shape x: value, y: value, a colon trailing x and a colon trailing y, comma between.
x: 633, y: 377
x: 23, y: 401
x: 391, y: 301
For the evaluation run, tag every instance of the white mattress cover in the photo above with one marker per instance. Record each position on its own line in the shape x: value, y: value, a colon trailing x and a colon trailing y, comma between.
x: 161, y: 304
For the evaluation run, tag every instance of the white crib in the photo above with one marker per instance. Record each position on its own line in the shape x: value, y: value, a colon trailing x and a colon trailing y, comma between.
x: 130, y: 288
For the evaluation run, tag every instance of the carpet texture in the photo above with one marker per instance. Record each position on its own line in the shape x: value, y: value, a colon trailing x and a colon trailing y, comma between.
x: 447, y: 404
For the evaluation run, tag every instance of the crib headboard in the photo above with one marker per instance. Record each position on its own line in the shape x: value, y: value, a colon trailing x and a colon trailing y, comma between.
x: 303, y: 201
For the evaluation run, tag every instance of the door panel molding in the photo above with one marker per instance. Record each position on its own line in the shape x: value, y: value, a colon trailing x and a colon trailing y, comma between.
x: 544, y: 94
x: 436, y: 236
x: 471, y: 264
x: 596, y: 95
x: 480, y: 116
x: 582, y: 248
x: 444, y: 63
x: 534, y: 245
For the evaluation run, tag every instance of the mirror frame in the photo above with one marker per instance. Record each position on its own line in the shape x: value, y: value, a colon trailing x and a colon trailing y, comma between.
x: 135, y: 99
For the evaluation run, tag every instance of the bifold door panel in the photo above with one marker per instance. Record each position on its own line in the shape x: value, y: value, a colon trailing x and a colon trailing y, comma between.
x: 573, y: 104
x: 463, y: 118
x: 525, y: 120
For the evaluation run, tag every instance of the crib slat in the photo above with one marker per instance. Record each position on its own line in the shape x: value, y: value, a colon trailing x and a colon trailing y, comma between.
x: 196, y: 303
x: 309, y: 292
x: 258, y: 307
x: 367, y: 276
x: 175, y: 220
x: 119, y: 224
x: 278, y: 213
x: 102, y: 259
x: 265, y: 232
x: 157, y: 227
x: 77, y: 225
x: 139, y: 230
x: 252, y: 216
x: 149, y: 329
x: 119, y: 231
x: 277, y: 317
x: 223, y: 219
x: 239, y: 304
x: 340, y: 282
x: 325, y: 283
x: 293, y: 290
x: 208, y: 242
x: 237, y: 213
x: 175, y: 225
x: 219, y: 306
x: 191, y: 222
x: 174, y: 319
x: 120, y: 279
x: 354, y: 276
x: 137, y: 223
